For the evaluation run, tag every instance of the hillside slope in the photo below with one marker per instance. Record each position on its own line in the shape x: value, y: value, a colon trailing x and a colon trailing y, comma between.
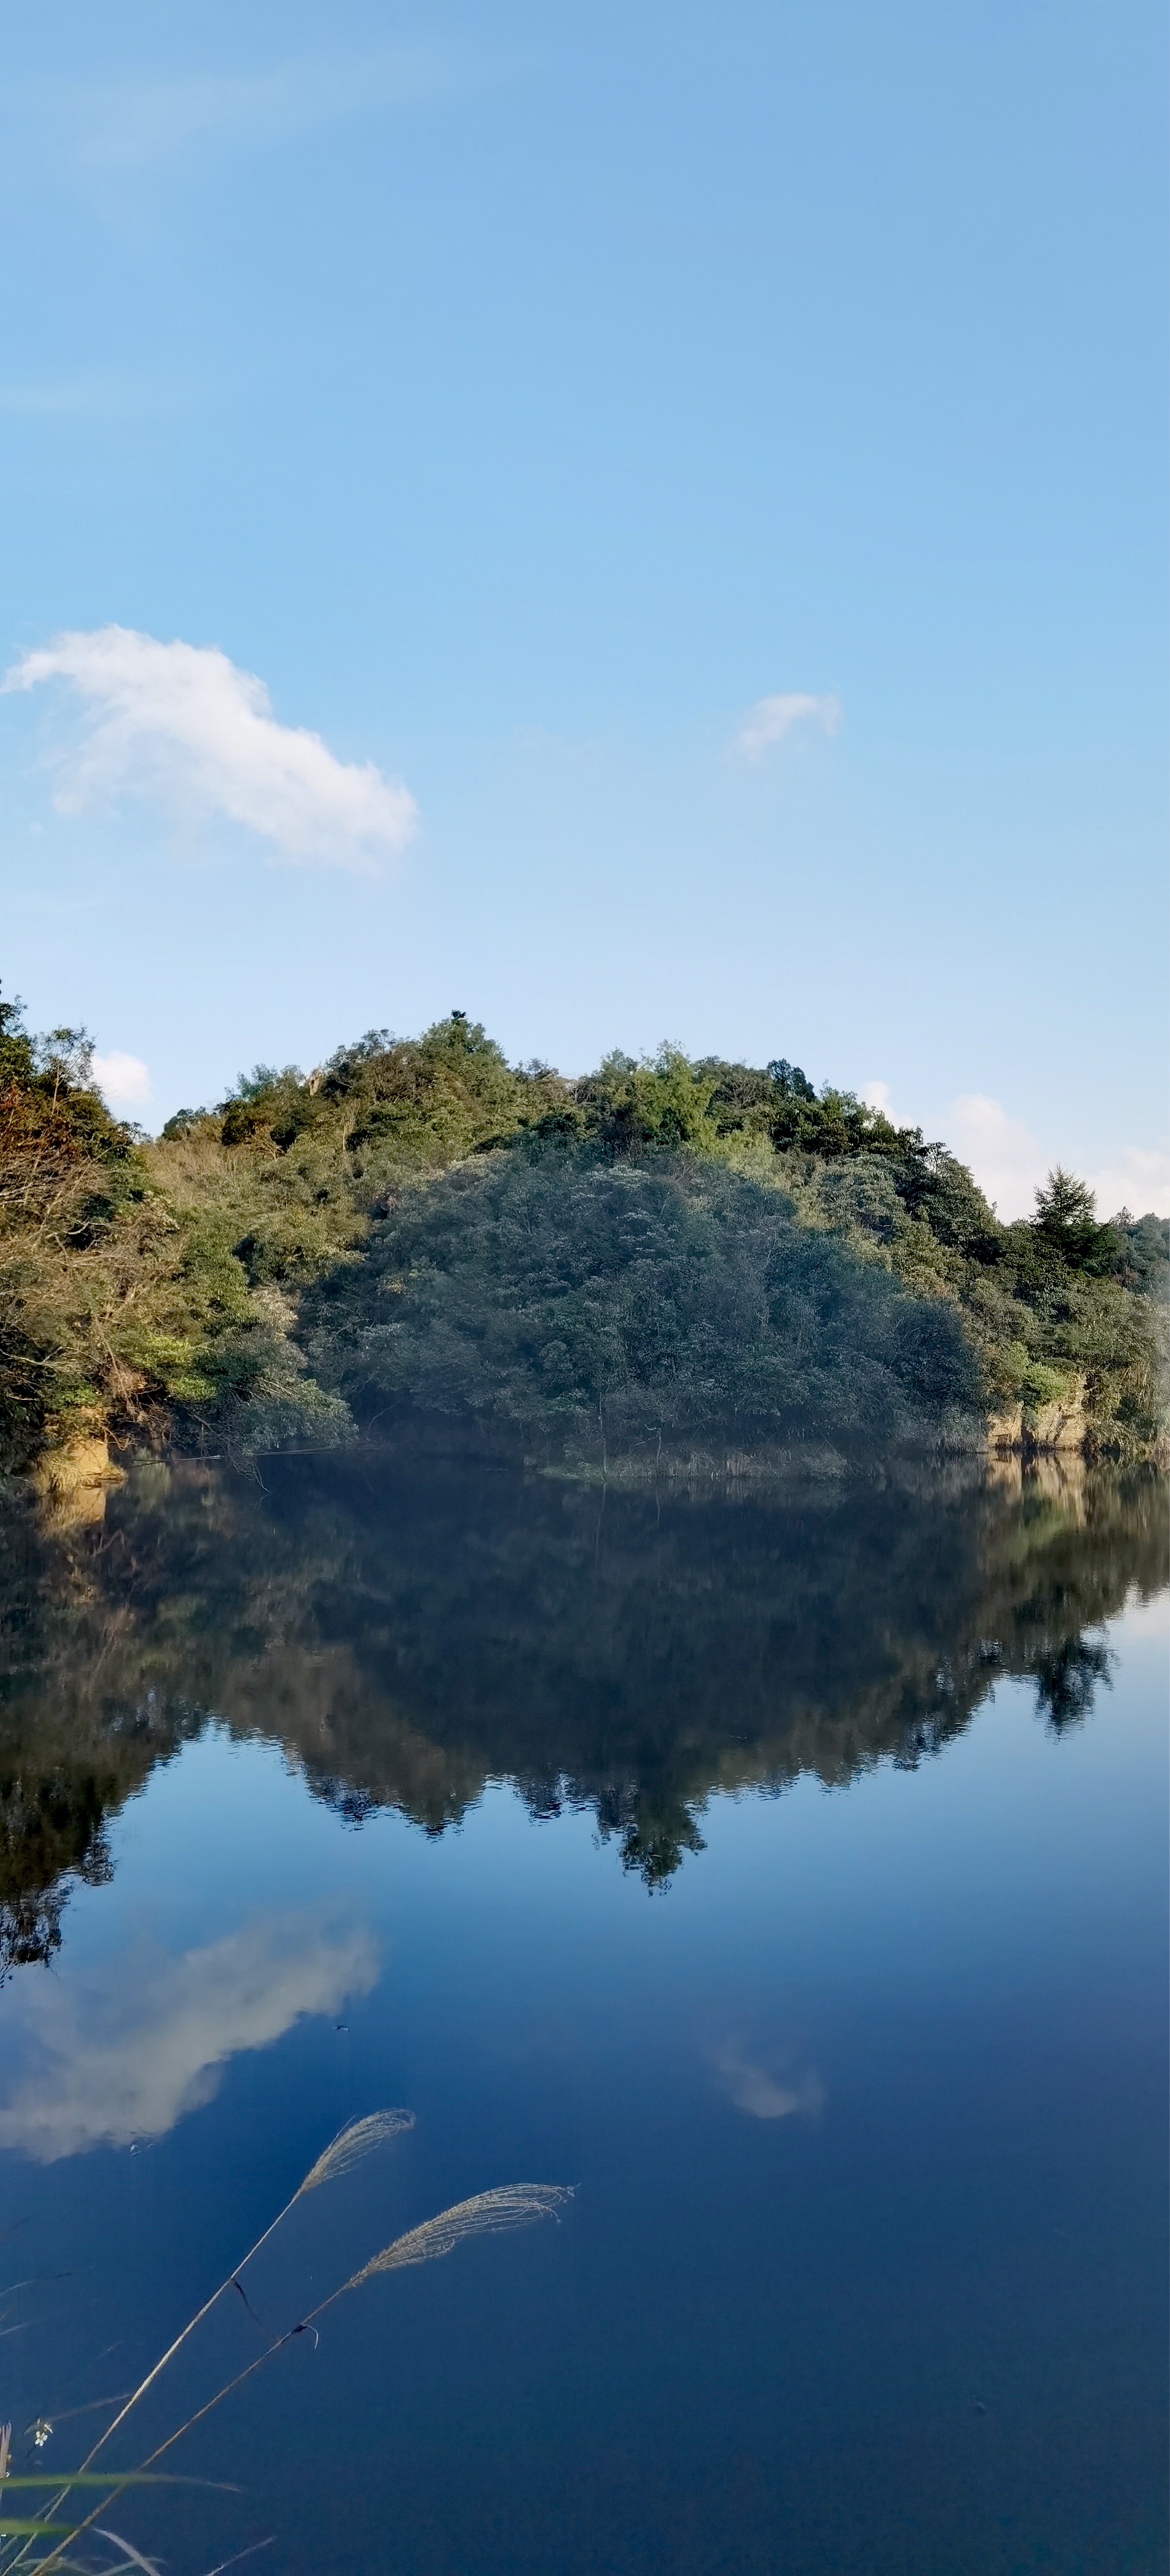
x: 700, y: 1249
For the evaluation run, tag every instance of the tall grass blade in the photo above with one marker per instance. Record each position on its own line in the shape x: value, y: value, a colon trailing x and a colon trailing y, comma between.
x: 113, y: 2478
x: 131, y: 2557
x: 249, y: 2552
x: 344, y: 2151
x: 487, y: 2213
x: 511, y: 2205
x: 14, y: 2526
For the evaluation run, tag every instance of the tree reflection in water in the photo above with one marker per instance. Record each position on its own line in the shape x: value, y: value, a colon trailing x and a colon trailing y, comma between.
x: 408, y: 1631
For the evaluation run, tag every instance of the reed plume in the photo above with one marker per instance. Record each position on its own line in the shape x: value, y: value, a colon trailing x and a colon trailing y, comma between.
x: 487, y: 2213
x: 356, y: 2140
x: 344, y: 2152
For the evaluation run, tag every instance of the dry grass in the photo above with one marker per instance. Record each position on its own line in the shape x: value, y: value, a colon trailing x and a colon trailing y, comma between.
x: 492, y: 2212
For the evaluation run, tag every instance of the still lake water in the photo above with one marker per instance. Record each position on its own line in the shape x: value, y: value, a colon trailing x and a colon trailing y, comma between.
x: 787, y: 1877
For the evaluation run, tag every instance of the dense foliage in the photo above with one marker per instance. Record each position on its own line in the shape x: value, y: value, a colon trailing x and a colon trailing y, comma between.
x: 77, y: 1225
x: 665, y: 1250
x: 625, y: 1304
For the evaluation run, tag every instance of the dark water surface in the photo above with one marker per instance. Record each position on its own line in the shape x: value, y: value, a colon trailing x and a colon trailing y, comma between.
x: 787, y: 1877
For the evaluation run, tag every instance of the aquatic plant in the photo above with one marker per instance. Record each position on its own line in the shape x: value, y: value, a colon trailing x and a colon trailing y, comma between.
x: 493, y: 2212
x: 345, y: 2151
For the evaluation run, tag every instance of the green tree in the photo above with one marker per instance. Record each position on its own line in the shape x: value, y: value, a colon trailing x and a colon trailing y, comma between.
x: 1066, y: 1217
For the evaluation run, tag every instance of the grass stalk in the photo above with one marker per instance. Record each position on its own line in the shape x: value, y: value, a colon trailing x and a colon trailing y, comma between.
x: 352, y: 2143
x: 510, y: 2206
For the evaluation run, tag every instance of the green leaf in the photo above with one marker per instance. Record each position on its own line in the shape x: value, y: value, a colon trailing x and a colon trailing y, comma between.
x: 111, y: 2478
x: 11, y: 2525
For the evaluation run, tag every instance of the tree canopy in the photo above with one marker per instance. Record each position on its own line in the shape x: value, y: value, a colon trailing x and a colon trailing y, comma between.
x: 682, y: 1242
x: 613, y: 1302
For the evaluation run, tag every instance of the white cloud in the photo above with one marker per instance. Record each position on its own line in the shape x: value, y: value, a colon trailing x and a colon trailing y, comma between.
x: 753, y: 2090
x: 68, y: 395
x: 876, y: 1095
x: 123, y: 2051
x: 123, y: 1080
x: 772, y: 718
x: 142, y: 122
x: 1002, y: 1152
x: 1010, y: 1163
x: 148, y: 123
x: 1138, y: 1179
x: 180, y: 723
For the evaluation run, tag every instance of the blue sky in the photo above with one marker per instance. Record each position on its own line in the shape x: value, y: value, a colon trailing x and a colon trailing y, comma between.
x: 522, y: 395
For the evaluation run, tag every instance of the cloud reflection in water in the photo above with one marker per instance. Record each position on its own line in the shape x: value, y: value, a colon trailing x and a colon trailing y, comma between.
x: 123, y: 2051
x: 753, y: 2090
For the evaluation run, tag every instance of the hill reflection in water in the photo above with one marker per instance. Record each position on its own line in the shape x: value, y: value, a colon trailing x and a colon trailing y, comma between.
x: 408, y: 1633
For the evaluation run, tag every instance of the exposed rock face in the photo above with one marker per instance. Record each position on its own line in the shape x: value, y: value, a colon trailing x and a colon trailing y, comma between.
x: 1058, y: 1425
x: 74, y: 1476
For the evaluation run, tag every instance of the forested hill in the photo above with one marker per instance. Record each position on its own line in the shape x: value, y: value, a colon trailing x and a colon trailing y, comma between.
x: 661, y: 1257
